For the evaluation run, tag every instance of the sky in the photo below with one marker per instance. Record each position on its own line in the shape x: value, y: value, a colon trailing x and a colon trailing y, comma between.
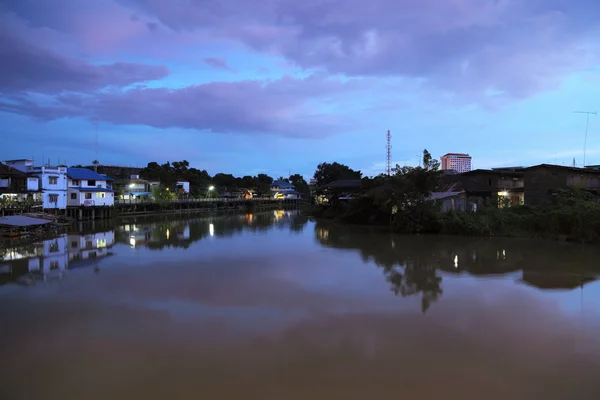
x: 278, y: 86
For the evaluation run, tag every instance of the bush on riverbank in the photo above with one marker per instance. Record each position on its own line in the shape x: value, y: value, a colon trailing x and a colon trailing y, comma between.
x: 579, y: 221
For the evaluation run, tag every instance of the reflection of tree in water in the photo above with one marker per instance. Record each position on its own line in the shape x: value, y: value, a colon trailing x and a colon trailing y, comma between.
x: 407, y: 276
x: 413, y: 279
x: 183, y: 233
x: 411, y: 263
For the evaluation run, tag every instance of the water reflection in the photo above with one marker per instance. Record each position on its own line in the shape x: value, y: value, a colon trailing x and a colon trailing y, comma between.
x: 259, y: 311
x: 48, y: 260
x: 415, y: 265
x: 183, y: 233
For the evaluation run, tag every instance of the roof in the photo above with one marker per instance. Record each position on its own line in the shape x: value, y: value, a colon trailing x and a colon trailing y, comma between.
x: 507, y: 172
x: 456, y: 154
x: 343, y: 183
x: 21, y: 220
x: 443, y: 195
x: 282, y: 184
x: 87, y: 174
x: 92, y: 189
x: 6, y: 170
x: 563, y: 167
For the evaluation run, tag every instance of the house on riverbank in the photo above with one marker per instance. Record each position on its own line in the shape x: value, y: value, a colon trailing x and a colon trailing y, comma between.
x: 87, y: 188
x: 543, y: 182
x: 52, y: 182
x: 16, y: 186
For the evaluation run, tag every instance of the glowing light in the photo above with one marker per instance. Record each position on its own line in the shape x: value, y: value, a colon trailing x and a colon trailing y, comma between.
x: 131, y: 185
x: 132, y: 241
x: 456, y: 261
x: 211, y: 188
x: 168, y: 234
x: 211, y: 230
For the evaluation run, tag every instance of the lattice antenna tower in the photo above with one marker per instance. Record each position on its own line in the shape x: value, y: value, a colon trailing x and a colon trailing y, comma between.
x: 389, y: 153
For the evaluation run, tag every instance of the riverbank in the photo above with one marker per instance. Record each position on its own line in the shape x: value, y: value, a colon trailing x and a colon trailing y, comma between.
x: 577, y: 221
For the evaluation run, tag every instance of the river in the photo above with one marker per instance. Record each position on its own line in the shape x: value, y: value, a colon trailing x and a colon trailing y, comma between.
x: 276, y: 306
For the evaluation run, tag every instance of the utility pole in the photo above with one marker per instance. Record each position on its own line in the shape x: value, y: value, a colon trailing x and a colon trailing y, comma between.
x: 389, y: 153
x: 587, y: 123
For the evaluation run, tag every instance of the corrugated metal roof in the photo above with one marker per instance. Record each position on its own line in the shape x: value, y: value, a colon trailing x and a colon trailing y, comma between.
x: 88, y: 174
x: 21, y: 220
x: 443, y: 195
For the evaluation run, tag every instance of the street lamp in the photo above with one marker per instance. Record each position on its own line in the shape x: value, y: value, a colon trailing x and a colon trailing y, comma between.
x: 211, y: 188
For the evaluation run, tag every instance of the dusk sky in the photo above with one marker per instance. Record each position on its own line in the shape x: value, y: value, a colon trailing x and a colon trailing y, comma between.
x: 251, y: 86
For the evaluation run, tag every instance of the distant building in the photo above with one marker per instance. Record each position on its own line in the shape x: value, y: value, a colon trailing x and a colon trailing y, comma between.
x: 456, y: 161
x: 115, y: 171
x: 282, y: 189
x: 183, y: 187
x: 133, y: 188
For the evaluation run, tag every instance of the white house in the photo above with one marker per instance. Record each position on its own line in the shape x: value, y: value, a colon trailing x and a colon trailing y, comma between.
x: 282, y: 189
x: 89, y: 189
x: 52, y: 181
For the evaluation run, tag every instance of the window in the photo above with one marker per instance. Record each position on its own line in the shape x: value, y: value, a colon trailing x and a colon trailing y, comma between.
x: 101, y: 195
x: 53, y: 198
x: 73, y: 196
x: 54, y: 265
x: 76, y: 182
x: 91, y: 183
x: 54, y: 247
x: 88, y: 196
x: 74, y: 244
x: 53, y: 180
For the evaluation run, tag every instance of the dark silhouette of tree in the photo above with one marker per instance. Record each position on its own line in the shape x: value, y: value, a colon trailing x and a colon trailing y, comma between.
x: 329, y: 172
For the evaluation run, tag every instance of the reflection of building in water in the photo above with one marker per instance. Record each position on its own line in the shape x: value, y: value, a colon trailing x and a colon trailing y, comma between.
x: 139, y: 235
x: 92, y: 246
x: 49, y: 259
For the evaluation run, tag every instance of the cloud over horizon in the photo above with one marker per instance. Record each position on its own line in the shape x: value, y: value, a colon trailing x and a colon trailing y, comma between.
x: 302, y: 71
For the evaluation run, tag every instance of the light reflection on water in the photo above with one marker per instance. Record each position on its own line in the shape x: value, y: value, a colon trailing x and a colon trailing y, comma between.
x: 292, y: 308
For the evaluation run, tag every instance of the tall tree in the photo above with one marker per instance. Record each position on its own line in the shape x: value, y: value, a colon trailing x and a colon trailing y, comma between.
x: 299, y: 183
x: 329, y: 172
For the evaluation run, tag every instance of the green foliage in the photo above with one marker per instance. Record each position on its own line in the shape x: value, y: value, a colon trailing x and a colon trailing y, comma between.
x: 169, y: 173
x: 162, y: 194
x: 329, y: 172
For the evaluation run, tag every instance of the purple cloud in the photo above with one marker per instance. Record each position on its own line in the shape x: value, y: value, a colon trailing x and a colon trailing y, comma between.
x: 27, y: 67
x: 218, y: 63
x: 281, y: 107
x: 467, y: 46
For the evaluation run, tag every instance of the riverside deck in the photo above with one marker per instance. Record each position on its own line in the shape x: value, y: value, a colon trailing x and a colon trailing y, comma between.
x: 141, y: 207
x: 138, y: 207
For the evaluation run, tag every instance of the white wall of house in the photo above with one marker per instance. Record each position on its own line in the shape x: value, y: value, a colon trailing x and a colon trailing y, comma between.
x: 78, y: 198
x: 88, y: 183
x: 53, y: 183
x: 33, y: 183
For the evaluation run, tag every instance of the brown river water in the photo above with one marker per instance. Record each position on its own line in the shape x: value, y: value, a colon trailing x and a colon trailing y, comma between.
x: 277, y: 306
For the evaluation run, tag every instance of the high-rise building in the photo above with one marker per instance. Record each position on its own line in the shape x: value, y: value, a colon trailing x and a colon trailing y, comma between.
x: 457, y: 161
